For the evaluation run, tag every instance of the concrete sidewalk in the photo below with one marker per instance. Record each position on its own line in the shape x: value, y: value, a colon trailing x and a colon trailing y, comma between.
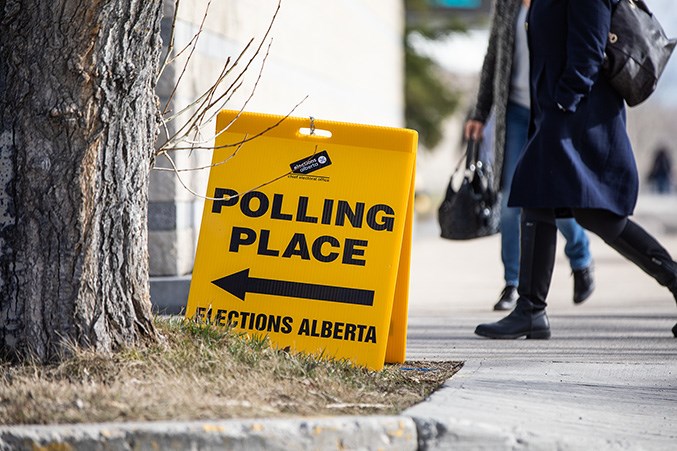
x: 607, y: 379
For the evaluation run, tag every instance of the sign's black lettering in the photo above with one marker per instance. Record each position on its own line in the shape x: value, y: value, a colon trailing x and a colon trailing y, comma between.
x: 276, y: 212
x: 260, y: 206
x: 383, y: 222
x: 231, y: 317
x: 241, y: 235
x: 220, y: 317
x: 260, y: 322
x: 263, y: 245
x: 351, y: 250
x: 344, y: 211
x: 329, y: 212
x: 225, y: 198
x: 302, y: 211
x: 317, y: 249
x: 324, y: 248
x: 337, y: 330
x: 297, y: 246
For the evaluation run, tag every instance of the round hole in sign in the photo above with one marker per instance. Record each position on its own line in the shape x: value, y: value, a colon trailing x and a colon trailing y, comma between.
x: 319, y: 132
x: 613, y: 38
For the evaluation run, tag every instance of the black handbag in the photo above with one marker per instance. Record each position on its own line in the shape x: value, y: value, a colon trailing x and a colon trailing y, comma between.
x: 636, y: 52
x: 471, y: 206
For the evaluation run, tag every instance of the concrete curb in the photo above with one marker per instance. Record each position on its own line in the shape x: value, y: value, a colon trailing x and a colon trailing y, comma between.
x: 464, y: 435
x: 397, y: 433
x: 340, y: 433
x: 447, y: 433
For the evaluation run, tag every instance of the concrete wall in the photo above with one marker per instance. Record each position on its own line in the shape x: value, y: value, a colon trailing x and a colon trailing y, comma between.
x: 346, y: 56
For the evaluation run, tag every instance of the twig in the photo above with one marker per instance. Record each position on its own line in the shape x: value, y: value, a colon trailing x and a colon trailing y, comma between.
x: 266, y: 130
x: 177, y: 171
x: 219, y: 163
x: 170, y: 46
x: 199, y: 99
x: 194, y: 120
x: 202, y: 99
x: 190, y: 55
x: 207, y: 105
x: 216, y: 110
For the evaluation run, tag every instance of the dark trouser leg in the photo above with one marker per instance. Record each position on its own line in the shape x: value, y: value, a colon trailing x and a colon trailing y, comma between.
x: 635, y: 244
x: 537, y: 258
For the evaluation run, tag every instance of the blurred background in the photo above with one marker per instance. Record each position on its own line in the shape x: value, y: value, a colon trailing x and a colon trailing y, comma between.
x: 652, y: 126
x: 411, y: 63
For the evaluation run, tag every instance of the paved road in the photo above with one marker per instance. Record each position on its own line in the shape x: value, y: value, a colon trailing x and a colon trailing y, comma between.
x: 607, y: 377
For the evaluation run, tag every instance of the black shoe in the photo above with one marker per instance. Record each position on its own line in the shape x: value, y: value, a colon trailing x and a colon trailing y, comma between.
x: 524, y: 321
x: 508, y: 298
x: 584, y: 284
x: 674, y: 330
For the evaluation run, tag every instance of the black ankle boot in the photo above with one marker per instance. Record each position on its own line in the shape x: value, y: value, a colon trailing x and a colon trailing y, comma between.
x: 584, y: 284
x: 508, y: 298
x: 538, y: 242
x: 524, y: 321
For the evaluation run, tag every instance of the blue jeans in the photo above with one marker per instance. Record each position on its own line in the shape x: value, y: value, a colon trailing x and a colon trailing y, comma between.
x: 577, y: 247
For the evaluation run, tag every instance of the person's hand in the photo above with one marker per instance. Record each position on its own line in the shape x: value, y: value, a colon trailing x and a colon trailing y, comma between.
x: 473, y: 130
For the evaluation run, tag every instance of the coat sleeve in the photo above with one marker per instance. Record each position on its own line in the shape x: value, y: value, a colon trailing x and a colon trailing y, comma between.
x: 588, y: 24
x: 485, y: 95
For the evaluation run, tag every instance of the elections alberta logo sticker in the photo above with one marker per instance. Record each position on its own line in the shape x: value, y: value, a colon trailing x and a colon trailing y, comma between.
x: 310, y: 164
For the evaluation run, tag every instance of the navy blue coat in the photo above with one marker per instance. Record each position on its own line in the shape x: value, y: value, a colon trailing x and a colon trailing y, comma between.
x: 578, y: 154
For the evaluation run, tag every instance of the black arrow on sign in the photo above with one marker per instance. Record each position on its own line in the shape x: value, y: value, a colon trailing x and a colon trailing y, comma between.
x: 239, y: 284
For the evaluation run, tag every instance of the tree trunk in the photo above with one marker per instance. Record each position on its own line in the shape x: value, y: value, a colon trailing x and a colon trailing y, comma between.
x: 77, y: 127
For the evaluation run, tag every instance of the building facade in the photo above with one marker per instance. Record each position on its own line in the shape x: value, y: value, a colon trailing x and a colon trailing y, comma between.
x: 340, y: 60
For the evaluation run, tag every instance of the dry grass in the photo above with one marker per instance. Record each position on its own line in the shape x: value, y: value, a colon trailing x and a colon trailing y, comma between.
x: 207, y: 373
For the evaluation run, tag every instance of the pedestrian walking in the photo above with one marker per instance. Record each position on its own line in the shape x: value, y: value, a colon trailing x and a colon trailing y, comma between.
x: 660, y: 175
x: 504, y: 89
x: 578, y: 160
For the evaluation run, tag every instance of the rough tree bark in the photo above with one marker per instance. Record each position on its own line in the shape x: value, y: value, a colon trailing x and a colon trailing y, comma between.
x: 77, y: 127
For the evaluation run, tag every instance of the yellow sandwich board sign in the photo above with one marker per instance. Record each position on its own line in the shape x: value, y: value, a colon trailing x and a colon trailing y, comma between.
x: 306, y: 238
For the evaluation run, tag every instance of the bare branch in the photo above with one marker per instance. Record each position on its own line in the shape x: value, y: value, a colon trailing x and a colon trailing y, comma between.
x: 270, y: 181
x: 195, y: 40
x: 187, y: 188
x: 195, y: 120
x: 199, y: 99
x: 263, y: 132
x: 214, y: 108
x: 218, y: 163
x: 218, y: 108
x: 170, y: 45
x: 203, y: 100
x: 207, y: 106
